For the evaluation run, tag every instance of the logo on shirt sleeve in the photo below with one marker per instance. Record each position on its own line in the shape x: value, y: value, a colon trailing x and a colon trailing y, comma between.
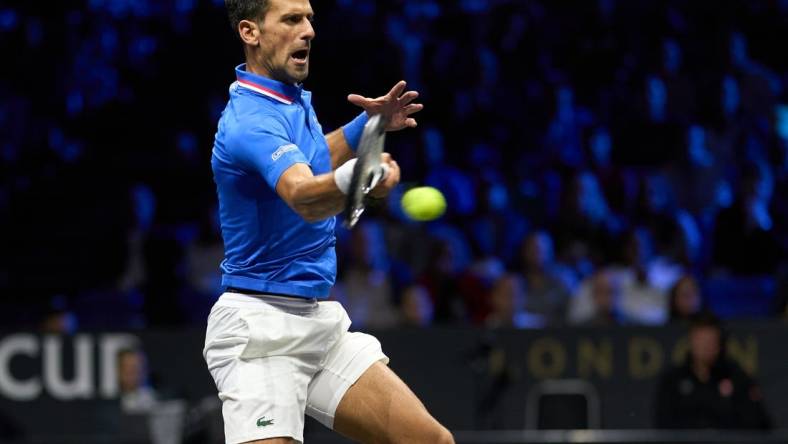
x: 283, y: 149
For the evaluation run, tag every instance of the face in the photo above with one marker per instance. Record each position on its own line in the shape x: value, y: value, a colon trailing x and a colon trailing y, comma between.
x: 705, y: 344
x: 284, y: 40
x: 602, y: 292
x: 131, y: 371
x: 687, y: 297
x: 506, y: 296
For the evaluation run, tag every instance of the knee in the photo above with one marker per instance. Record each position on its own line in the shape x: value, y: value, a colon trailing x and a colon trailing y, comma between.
x: 443, y: 436
x: 438, y: 435
x: 434, y: 434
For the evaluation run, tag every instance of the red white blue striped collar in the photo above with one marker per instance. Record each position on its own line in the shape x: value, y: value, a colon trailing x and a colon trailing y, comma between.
x: 276, y: 90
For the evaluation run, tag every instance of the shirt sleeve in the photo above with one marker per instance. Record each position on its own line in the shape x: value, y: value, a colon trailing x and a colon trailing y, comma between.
x: 267, y: 149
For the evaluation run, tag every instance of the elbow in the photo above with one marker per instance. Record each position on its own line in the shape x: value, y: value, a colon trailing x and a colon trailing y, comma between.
x: 304, y: 201
x: 308, y: 212
x: 309, y: 217
x: 301, y: 206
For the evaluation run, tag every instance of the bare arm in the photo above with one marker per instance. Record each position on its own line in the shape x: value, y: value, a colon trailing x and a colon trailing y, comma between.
x: 318, y: 197
x: 339, y: 148
x: 313, y: 197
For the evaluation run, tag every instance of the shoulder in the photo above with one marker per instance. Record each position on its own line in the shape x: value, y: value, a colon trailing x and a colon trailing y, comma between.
x: 259, y: 123
x: 250, y: 112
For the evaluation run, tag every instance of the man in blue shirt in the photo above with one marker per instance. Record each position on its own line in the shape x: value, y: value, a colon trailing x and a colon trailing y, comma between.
x: 275, y: 349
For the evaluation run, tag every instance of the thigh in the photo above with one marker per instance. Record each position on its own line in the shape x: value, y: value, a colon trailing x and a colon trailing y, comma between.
x: 380, y: 408
x: 343, y: 365
x: 262, y: 396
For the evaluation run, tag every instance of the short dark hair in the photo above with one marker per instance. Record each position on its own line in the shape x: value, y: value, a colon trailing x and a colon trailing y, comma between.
x: 238, y: 10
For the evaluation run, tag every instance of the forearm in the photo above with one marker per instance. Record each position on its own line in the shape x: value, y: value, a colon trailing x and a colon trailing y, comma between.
x: 340, y: 150
x: 316, y: 198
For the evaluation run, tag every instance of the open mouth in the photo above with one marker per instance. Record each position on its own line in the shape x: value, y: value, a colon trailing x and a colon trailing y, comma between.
x: 301, y: 55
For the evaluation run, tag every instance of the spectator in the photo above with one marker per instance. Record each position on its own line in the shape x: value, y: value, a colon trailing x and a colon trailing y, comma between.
x: 546, y: 294
x: 708, y: 390
x: 640, y: 301
x: 506, y: 305
x: 596, y: 301
x: 685, y: 300
x: 364, y: 288
x: 416, y: 307
x: 136, y: 394
x: 440, y: 281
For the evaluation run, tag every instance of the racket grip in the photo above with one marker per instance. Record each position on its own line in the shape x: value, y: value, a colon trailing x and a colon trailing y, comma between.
x: 380, y: 175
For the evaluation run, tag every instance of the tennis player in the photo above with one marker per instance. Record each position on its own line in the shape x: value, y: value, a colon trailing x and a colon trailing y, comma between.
x: 274, y: 347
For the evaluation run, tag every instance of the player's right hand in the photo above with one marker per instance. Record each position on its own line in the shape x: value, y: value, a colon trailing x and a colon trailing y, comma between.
x: 390, y: 180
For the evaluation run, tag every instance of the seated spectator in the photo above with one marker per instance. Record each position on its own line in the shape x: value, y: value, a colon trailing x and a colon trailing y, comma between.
x: 708, y: 390
x: 506, y: 305
x: 440, y: 280
x: 416, y: 307
x: 641, y: 302
x: 547, y: 296
x: 136, y: 394
x: 365, y: 289
x: 474, y: 285
x: 596, y: 301
x: 685, y: 300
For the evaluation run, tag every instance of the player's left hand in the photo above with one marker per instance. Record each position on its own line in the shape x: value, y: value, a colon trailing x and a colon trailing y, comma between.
x: 394, y: 106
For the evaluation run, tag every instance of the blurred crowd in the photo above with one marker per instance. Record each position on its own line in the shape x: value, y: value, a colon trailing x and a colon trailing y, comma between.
x: 604, y: 162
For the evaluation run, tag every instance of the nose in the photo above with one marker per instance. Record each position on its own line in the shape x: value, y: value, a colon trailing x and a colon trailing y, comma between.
x: 308, y: 32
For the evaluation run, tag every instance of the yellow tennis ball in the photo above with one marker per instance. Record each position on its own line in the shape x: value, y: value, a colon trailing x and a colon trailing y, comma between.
x: 423, y: 203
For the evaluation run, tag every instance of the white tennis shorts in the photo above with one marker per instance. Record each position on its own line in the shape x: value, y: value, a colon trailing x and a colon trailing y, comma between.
x: 275, y: 359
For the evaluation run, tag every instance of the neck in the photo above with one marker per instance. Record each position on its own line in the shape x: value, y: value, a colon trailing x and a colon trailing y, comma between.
x: 254, y: 67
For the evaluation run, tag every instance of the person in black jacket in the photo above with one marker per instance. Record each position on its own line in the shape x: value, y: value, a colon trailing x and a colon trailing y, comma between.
x: 709, y: 391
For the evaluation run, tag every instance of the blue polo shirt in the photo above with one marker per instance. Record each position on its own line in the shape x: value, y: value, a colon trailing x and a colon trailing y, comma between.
x: 267, y: 127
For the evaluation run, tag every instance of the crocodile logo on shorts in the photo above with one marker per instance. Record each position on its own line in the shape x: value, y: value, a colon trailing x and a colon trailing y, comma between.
x: 262, y: 422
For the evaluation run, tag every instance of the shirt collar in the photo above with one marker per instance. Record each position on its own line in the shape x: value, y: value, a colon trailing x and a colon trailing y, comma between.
x: 274, y: 89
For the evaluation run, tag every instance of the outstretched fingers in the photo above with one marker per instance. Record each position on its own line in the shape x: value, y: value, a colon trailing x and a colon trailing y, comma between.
x: 413, y: 108
x: 408, y: 97
x: 396, y: 91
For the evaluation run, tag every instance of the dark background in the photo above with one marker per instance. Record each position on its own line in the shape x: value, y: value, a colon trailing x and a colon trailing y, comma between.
x: 642, y: 141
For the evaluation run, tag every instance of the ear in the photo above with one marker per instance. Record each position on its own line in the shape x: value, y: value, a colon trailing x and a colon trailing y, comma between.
x: 249, y: 32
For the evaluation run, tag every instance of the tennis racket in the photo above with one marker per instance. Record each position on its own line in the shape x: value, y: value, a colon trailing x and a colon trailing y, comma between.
x: 368, y: 170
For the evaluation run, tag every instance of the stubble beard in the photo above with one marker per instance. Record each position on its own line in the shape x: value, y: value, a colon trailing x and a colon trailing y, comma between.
x: 290, y: 75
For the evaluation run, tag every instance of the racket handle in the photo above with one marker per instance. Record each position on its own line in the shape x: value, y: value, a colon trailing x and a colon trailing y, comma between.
x: 379, y: 175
